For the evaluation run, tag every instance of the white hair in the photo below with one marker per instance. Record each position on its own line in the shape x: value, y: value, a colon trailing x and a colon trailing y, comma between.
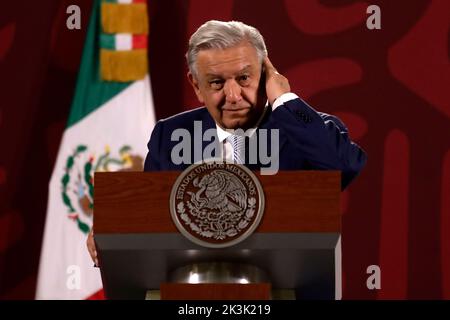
x: 222, y: 35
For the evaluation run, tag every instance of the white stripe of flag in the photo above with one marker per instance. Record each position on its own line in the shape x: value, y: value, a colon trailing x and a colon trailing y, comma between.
x: 124, y: 41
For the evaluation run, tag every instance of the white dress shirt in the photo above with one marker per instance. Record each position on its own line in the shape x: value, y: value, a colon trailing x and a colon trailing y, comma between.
x: 222, y: 134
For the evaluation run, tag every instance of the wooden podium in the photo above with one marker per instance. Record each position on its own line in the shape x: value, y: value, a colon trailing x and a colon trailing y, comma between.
x: 297, y: 242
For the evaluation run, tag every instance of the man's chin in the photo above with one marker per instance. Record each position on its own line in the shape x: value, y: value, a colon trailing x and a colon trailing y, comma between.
x: 237, y: 123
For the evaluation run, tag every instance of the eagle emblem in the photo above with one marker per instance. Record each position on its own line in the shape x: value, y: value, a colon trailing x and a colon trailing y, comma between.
x: 77, y: 183
x: 217, y: 204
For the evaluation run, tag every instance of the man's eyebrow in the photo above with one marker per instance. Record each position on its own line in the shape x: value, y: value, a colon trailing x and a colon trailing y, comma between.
x: 213, y: 75
x: 244, y: 69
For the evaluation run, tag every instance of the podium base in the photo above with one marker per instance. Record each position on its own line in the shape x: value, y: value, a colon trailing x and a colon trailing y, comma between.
x: 275, y: 294
x: 215, y: 291
x: 217, y: 281
x: 218, y: 272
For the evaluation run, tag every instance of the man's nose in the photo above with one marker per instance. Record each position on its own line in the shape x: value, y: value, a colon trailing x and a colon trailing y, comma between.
x: 232, y: 91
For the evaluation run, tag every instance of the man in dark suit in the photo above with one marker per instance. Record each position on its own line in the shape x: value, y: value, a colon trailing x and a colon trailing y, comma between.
x: 250, y: 116
x: 240, y: 88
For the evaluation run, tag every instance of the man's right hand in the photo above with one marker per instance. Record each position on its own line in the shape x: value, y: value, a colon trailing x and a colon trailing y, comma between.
x: 90, y: 243
x: 276, y: 84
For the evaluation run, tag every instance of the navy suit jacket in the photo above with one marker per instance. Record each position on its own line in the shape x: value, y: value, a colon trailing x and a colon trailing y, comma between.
x: 308, y: 140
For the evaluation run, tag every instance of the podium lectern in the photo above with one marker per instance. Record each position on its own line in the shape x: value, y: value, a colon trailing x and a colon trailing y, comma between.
x: 297, y: 243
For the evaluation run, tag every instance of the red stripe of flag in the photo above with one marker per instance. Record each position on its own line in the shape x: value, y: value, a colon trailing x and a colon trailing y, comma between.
x: 99, y: 295
x: 139, y: 41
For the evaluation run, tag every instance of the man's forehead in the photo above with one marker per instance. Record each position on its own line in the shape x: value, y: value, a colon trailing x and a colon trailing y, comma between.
x: 235, y: 59
x: 211, y: 72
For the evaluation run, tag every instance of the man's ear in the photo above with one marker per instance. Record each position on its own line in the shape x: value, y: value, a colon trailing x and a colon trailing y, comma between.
x: 194, y: 83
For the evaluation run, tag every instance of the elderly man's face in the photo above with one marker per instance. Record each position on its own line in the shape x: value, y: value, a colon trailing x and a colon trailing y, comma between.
x: 227, y: 83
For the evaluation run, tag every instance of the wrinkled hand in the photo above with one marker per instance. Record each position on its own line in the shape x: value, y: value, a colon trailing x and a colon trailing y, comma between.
x: 276, y: 84
x: 90, y: 243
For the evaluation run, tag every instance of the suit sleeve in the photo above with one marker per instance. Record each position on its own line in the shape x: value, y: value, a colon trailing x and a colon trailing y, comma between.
x: 152, y: 161
x: 323, y: 139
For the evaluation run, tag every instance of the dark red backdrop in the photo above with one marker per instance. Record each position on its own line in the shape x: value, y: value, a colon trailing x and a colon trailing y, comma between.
x: 390, y: 86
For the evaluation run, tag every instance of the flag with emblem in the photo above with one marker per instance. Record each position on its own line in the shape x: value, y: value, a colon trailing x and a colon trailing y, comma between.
x: 108, y: 128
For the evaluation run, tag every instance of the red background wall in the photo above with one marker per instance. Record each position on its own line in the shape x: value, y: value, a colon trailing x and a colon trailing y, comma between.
x: 390, y: 87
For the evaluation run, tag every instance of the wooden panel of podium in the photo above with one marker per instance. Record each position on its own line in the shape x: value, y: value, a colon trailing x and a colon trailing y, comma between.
x: 297, y: 243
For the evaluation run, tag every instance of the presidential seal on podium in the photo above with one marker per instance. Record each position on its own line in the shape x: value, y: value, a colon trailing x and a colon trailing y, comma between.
x: 217, y: 204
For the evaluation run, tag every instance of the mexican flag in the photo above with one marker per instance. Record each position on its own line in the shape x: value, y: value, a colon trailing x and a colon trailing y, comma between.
x: 108, y: 128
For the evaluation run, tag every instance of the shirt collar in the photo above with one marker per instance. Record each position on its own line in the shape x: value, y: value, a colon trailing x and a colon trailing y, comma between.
x: 222, y: 134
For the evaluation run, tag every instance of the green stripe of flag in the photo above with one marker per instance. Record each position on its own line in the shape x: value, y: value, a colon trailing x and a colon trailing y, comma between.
x: 108, y: 41
x: 91, y: 92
